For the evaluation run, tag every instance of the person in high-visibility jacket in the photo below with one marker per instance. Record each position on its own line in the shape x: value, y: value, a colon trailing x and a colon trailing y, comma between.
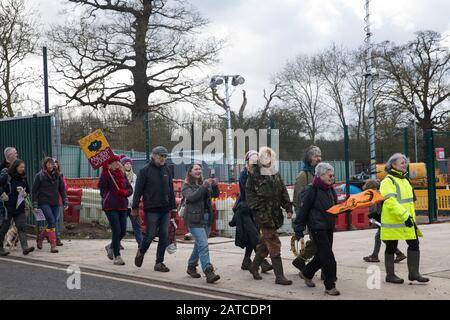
x: 398, y: 218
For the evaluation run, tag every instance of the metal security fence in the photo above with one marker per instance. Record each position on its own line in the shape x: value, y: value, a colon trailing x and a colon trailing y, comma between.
x: 34, y: 139
x: 75, y: 165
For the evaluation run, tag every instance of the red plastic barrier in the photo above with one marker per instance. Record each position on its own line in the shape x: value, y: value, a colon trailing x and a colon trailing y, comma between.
x: 360, y: 218
x: 341, y: 222
x: 214, y: 225
x: 229, y: 190
x: 84, y: 183
x: 72, y: 214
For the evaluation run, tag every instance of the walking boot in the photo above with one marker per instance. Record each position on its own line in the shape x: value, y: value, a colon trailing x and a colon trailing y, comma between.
x: 211, y: 277
x: 278, y: 270
x: 40, y: 238
x: 332, y: 292
x: 390, y: 274
x: 308, y: 281
x: 299, y: 263
x: 52, y: 237
x: 255, y: 267
x: 413, y: 267
x: 246, y: 263
x: 139, y: 259
x: 24, y: 243
x: 400, y: 257
x: 192, y: 271
x: 3, y: 252
x: 58, y: 242
x: 266, y: 266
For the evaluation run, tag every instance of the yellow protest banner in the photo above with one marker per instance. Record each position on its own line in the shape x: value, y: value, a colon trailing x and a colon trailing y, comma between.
x: 96, y: 148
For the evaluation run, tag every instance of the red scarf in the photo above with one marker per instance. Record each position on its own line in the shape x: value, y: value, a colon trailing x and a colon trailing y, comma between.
x: 119, y: 178
x: 317, y: 182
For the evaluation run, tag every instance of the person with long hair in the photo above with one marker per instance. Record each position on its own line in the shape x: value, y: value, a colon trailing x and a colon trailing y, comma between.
x: 61, y: 204
x: 115, y: 190
x: 48, y: 186
x: 199, y: 217
x: 127, y: 164
x: 15, y: 185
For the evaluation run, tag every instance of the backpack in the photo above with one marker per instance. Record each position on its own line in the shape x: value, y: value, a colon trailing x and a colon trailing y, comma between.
x: 306, y: 189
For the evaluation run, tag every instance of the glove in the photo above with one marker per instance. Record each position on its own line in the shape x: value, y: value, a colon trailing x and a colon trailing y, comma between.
x: 4, y: 197
x: 123, y: 193
x: 409, y: 222
x: 299, y: 235
x: 66, y: 204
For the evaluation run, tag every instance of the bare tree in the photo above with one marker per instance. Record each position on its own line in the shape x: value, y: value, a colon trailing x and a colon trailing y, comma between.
x: 18, y: 38
x: 419, y: 78
x: 139, y: 54
x: 301, y: 88
x: 238, y: 119
x: 333, y: 66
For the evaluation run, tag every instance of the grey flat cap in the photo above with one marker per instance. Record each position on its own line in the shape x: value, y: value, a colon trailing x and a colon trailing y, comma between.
x: 162, y: 151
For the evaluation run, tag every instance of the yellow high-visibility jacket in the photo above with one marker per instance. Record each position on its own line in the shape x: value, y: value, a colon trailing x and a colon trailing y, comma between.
x: 397, y: 207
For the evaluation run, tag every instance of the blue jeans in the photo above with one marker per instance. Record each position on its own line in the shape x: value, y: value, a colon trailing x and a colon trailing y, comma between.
x: 201, y: 250
x: 118, y: 223
x: 156, y: 221
x: 51, y: 214
x: 377, y: 246
x: 136, y: 229
x: 58, y: 221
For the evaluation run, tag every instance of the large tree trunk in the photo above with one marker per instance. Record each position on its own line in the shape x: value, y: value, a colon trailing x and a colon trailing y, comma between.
x: 141, y: 89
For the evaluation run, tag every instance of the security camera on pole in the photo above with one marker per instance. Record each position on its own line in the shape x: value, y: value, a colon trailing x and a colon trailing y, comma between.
x: 235, y: 81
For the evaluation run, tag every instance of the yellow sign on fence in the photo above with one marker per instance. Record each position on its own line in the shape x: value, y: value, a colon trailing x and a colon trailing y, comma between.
x: 96, y: 148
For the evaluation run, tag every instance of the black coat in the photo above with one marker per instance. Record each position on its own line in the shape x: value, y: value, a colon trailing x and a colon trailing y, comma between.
x: 155, y: 185
x: 312, y: 209
x: 247, y: 234
x: 9, y: 185
x: 47, y: 189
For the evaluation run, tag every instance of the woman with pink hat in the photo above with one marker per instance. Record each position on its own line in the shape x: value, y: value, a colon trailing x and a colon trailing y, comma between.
x: 115, y: 190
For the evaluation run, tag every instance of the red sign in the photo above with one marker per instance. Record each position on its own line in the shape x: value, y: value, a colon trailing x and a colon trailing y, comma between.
x: 97, y: 160
x: 440, y: 154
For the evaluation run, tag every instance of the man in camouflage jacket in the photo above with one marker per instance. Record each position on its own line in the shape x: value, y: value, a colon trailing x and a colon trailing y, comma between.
x: 266, y: 195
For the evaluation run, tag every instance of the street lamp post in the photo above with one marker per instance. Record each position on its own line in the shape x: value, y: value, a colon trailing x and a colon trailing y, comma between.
x: 235, y: 81
x: 415, y: 130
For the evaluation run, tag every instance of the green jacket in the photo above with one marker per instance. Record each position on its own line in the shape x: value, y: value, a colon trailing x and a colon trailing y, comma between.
x: 303, y: 179
x: 266, y: 195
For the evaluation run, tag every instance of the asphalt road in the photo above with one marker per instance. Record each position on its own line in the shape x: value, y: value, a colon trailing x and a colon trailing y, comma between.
x: 22, y: 280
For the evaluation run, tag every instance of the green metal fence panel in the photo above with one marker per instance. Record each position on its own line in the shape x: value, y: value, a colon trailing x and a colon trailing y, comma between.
x: 32, y: 137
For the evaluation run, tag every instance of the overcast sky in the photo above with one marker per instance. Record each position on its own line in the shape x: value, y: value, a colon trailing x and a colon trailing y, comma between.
x: 262, y: 35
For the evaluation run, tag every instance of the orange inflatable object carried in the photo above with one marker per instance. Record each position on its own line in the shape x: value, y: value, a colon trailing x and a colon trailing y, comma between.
x: 361, y: 200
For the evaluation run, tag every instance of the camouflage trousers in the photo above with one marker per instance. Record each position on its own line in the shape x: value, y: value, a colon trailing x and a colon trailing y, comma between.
x: 269, y: 243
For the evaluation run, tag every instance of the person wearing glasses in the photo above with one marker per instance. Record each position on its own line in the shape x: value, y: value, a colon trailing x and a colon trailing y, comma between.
x: 155, y: 185
x: 318, y: 197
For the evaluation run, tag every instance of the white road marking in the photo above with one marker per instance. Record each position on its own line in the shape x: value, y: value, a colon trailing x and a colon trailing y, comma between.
x: 122, y: 280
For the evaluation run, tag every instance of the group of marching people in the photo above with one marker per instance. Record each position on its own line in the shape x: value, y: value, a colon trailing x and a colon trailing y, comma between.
x: 257, y: 212
x: 258, y: 216
x: 48, y: 194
